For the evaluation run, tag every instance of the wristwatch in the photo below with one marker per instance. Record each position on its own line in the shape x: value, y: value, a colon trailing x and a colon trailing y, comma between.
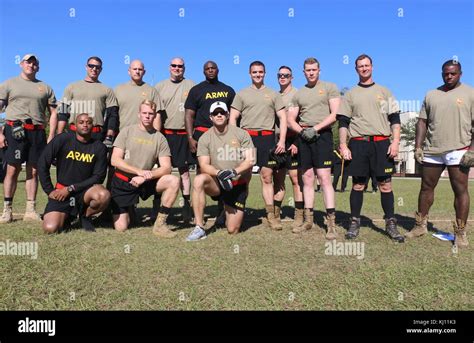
x: 70, y: 188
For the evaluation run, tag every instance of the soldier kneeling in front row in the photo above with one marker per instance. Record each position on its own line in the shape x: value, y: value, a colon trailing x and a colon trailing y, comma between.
x: 226, y: 156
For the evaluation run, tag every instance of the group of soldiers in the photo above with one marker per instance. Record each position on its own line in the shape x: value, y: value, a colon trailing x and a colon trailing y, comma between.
x: 137, y: 133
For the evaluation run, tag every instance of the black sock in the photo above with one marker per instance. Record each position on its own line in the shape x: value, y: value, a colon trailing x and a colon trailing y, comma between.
x: 277, y: 203
x: 330, y: 210
x: 187, y: 199
x: 356, y: 200
x: 220, y: 206
x: 86, y: 223
x: 8, y: 199
x: 165, y: 210
x: 299, y: 205
x: 156, y: 201
x: 388, y: 201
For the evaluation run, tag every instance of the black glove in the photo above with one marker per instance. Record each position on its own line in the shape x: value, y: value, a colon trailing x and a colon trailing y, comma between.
x: 309, y: 134
x: 18, y: 132
x: 109, y: 142
x: 278, y: 158
x: 225, y: 177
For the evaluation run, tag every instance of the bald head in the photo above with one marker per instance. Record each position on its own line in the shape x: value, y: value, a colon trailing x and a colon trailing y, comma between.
x: 177, y: 69
x: 136, y: 70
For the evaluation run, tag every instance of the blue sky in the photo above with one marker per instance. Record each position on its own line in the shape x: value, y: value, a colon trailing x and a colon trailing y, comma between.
x: 408, y: 39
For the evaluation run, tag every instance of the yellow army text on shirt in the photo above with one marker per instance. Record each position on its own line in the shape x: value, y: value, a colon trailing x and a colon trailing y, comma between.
x: 88, y: 97
x: 258, y: 107
x: 369, y: 108
x: 450, y: 119
x: 173, y: 96
x: 129, y: 97
x: 27, y: 99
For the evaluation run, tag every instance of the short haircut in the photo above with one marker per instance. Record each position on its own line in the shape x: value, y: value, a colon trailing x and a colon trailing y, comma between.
x: 285, y: 67
x: 83, y: 114
x: 211, y: 62
x: 310, y: 60
x: 257, y: 63
x: 361, y: 57
x: 95, y: 58
x: 178, y: 58
x: 452, y: 63
x: 148, y: 103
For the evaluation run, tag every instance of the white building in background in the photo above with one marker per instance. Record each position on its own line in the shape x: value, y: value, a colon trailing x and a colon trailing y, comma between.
x: 405, y: 161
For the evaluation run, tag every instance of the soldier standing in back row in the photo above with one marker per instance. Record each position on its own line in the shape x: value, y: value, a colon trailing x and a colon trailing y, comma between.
x: 23, y: 138
x: 446, y: 122
x: 314, y: 109
x: 173, y: 93
x: 371, y: 116
x: 258, y: 104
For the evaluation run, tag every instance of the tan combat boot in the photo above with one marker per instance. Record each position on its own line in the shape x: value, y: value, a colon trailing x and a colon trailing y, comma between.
x: 299, y: 218
x: 160, y: 228
x: 330, y: 220
x: 421, y: 226
x: 30, y: 212
x: 460, y: 234
x: 273, y: 223
x: 277, y: 211
x: 7, y: 216
x: 308, y: 221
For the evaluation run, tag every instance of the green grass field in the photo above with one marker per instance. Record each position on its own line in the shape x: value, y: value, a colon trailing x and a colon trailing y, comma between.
x: 256, y: 270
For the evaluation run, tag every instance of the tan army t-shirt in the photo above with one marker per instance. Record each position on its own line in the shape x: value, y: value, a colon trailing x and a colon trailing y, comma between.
x: 27, y: 99
x: 129, y: 97
x: 226, y: 150
x: 368, y: 108
x: 173, y: 96
x: 313, y: 102
x: 88, y: 97
x: 450, y: 118
x: 142, y: 148
x: 287, y: 101
x: 258, y: 107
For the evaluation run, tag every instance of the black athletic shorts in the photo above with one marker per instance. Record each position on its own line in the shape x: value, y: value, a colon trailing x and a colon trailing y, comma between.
x: 27, y: 150
x: 192, y: 156
x: 317, y: 154
x: 234, y: 198
x: 124, y: 195
x: 371, y: 158
x: 264, y: 144
x: 291, y: 161
x: 179, y: 147
x: 72, y: 206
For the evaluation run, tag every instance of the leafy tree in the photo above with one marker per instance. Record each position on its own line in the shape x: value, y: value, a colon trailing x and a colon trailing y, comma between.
x: 408, y: 132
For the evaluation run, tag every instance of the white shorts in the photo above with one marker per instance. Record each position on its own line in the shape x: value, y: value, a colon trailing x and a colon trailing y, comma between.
x: 451, y: 158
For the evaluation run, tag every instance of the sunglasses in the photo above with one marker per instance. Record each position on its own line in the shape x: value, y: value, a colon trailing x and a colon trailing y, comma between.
x: 285, y: 76
x: 218, y: 112
x: 177, y: 65
x: 96, y: 66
